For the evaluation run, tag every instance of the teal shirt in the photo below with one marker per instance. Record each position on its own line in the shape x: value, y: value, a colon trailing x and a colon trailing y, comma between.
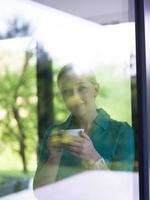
x: 112, y: 139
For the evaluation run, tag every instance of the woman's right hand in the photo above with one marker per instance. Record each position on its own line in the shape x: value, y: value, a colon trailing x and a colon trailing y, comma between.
x: 54, y: 145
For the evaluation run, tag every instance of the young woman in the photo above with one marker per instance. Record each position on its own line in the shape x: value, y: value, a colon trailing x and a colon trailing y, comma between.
x: 104, y: 144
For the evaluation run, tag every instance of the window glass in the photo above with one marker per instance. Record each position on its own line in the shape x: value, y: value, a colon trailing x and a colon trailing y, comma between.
x: 75, y: 124
x: 93, y: 133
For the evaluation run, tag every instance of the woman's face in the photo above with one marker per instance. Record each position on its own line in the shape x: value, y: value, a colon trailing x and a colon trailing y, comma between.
x: 78, y: 93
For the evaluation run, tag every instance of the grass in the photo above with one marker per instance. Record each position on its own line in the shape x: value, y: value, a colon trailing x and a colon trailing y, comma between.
x: 2, y: 180
x: 11, y: 167
x: 7, y: 176
x: 11, y: 162
x: 16, y: 174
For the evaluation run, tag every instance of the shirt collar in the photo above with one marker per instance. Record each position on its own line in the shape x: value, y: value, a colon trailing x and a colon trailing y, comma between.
x: 101, y: 120
x: 69, y: 122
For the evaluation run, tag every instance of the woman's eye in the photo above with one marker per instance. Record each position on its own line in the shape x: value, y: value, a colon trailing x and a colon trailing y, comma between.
x: 81, y: 88
x: 66, y: 92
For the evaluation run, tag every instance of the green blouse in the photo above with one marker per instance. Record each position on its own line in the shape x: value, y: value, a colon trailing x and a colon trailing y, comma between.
x: 113, y: 140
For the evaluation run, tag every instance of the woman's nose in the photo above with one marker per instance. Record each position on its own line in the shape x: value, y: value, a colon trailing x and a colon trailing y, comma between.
x: 76, y: 94
x: 74, y: 99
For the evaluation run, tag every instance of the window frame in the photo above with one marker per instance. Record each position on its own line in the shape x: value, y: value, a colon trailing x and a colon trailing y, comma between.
x: 142, y: 18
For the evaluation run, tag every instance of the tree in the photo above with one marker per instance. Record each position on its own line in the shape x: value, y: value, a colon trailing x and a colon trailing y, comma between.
x: 44, y: 91
x: 14, y: 85
x: 14, y: 89
x: 17, y: 27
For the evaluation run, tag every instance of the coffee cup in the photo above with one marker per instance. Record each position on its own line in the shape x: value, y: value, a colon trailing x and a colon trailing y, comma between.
x: 67, y: 135
x: 72, y: 132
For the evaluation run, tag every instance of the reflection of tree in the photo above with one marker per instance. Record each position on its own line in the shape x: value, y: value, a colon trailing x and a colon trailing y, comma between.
x: 15, y: 111
x: 16, y: 128
x: 14, y: 85
x: 16, y: 27
x: 45, y: 91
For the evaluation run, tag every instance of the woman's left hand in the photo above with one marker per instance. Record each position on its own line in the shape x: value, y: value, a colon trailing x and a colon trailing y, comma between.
x: 82, y: 147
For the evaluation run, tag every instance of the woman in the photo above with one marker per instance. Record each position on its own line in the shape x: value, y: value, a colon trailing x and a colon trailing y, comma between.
x: 104, y: 144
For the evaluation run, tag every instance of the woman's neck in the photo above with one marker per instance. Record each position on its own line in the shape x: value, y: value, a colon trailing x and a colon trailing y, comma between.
x: 85, y: 122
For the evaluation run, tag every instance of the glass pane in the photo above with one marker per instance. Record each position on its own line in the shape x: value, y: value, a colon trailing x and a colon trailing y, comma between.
x: 86, y: 135
x: 93, y: 135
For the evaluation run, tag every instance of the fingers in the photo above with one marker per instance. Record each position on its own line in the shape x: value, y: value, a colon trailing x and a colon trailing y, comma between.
x: 74, y: 143
x: 58, y: 140
x: 54, y: 143
x: 75, y: 154
x: 54, y: 140
x: 84, y: 135
x: 67, y: 139
x: 72, y: 149
x: 75, y: 147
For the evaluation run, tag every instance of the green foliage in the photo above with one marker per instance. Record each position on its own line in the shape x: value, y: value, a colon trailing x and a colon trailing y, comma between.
x: 114, y: 97
x: 15, y: 174
x: 25, y: 101
x: 115, y: 92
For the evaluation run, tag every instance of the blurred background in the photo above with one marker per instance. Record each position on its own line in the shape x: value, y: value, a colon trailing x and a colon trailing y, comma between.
x: 35, y: 42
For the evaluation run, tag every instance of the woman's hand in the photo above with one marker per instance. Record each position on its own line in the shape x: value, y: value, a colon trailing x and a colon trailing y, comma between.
x: 54, y: 145
x: 82, y: 147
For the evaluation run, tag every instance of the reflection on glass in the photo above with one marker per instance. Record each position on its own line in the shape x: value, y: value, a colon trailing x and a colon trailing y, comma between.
x: 88, y: 139
x: 87, y: 110
x: 92, y: 130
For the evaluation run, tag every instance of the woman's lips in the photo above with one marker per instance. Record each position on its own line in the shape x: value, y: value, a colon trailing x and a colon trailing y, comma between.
x: 72, y: 102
